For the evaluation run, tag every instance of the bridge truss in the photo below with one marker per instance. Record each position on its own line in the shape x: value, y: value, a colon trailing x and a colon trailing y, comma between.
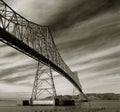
x: 33, y: 40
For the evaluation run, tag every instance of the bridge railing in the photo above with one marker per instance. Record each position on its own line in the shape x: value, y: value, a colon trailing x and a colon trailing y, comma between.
x: 33, y: 35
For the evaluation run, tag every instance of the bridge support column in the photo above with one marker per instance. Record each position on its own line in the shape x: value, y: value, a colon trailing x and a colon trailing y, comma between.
x: 43, y: 85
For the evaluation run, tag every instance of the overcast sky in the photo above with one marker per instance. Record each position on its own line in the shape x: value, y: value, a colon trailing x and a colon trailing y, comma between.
x: 87, y: 34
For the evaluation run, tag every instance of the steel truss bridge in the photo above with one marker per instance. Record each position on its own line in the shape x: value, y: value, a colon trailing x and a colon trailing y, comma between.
x: 35, y: 41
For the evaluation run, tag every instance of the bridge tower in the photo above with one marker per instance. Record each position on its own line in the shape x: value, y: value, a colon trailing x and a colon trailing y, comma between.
x: 43, y: 85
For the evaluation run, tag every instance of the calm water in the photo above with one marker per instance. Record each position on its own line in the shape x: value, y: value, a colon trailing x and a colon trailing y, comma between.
x: 96, y: 106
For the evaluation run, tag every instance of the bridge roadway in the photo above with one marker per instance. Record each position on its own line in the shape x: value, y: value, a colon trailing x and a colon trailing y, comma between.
x: 33, y: 40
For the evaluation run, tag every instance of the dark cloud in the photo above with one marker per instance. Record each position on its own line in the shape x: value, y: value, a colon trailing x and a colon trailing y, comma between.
x: 81, y: 11
x: 91, y: 43
x: 2, y: 45
x: 18, y: 78
x: 12, y: 54
x: 20, y: 70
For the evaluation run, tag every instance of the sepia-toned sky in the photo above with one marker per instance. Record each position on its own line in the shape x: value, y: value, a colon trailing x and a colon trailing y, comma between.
x: 87, y: 34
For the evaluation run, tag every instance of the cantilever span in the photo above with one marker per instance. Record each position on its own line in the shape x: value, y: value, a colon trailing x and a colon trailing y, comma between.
x: 32, y: 39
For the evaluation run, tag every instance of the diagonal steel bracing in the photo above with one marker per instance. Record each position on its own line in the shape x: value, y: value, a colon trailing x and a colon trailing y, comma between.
x: 34, y: 40
x: 44, y: 83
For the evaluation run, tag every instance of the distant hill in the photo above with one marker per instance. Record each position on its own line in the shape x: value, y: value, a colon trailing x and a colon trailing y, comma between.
x: 104, y: 96
x: 91, y: 96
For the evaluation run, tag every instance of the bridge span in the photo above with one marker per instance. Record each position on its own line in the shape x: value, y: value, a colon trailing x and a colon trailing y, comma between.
x: 33, y: 40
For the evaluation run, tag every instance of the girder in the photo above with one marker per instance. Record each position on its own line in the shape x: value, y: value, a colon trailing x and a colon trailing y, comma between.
x: 34, y: 40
